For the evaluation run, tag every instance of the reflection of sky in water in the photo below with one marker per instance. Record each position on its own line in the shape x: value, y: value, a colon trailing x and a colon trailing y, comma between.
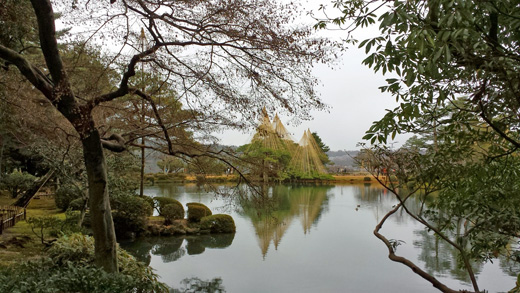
x: 322, y: 245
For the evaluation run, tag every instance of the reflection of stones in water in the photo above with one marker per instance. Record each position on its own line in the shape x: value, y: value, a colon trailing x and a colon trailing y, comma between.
x: 198, y: 244
x: 194, y: 247
x: 197, y: 285
x: 218, y: 240
x: 139, y: 249
x: 169, y: 249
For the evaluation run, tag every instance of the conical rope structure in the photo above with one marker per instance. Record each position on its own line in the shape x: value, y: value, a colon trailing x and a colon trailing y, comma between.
x: 306, y: 159
x: 305, y: 155
x: 267, y: 135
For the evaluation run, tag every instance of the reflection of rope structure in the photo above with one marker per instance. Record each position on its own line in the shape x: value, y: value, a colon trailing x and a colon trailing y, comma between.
x: 305, y: 155
x: 269, y: 229
x: 309, y: 208
x: 272, y: 223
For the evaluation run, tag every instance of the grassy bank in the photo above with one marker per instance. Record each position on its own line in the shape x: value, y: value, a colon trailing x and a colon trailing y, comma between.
x: 188, y: 178
x: 19, y: 242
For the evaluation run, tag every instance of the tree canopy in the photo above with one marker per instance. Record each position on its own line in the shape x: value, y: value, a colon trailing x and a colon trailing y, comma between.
x: 454, y: 69
x: 222, y: 61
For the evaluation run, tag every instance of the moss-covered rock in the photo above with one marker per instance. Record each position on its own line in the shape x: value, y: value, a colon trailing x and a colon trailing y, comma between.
x: 197, y: 211
x: 218, y: 223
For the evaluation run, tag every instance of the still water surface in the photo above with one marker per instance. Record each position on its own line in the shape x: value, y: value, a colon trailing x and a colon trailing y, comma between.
x: 313, y: 239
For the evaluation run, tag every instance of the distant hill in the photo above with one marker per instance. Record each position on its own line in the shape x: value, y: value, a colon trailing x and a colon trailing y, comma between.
x: 343, y: 159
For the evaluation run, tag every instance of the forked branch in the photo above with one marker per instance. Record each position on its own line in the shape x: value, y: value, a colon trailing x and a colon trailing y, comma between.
x: 392, y: 256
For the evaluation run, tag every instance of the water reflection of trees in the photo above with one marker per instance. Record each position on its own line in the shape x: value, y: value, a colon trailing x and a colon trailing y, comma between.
x: 441, y: 259
x: 272, y: 211
x: 381, y: 201
x: 177, y: 190
x: 171, y: 249
x: 510, y: 264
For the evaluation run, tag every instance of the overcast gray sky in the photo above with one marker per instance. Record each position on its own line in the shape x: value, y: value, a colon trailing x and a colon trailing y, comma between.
x: 352, y: 93
x: 354, y: 99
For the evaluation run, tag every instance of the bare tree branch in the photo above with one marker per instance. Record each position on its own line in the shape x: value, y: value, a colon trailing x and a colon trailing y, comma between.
x: 33, y: 74
x: 392, y: 256
x: 114, y: 143
x: 49, y: 44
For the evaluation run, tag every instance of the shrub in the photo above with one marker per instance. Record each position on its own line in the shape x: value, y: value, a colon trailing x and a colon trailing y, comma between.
x: 77, y: 204
x: 150, y: 202
x: 70, y: 224
x: 161, y: 202
x: 161, y: 177
x: 41, y: 226
x: 65, y: 194
x: 130, y: 215
x: 366, y: 178
x: 170, y: 177
x: 172, y: 212
x: 197, y: 211
x: 70, y: 268
x: 218, y: 223
x: 17, y: 182
x: 53, y: 226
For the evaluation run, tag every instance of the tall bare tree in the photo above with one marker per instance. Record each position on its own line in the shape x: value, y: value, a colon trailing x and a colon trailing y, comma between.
x: 225, y: 59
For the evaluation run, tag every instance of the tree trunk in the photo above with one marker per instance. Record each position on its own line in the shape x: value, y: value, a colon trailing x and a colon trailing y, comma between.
x: 102, y: 224
x: 264, y: 172
x: 1, y: 156
x: 143, y: 160
x: 83, y: 209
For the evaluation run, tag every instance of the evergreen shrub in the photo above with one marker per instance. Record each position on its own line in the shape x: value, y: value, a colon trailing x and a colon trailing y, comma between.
x: 161, y: 202
x: 150, y: 202
x: 130, y: 215
x: 218, y: 223
x: 65, y: 195
x: 77, y: 204
x: 172, y: 212
x: 69, y: 267
x: 197, y: 211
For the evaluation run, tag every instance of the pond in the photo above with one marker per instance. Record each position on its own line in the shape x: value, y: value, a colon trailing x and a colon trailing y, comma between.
x: 312, y: 239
